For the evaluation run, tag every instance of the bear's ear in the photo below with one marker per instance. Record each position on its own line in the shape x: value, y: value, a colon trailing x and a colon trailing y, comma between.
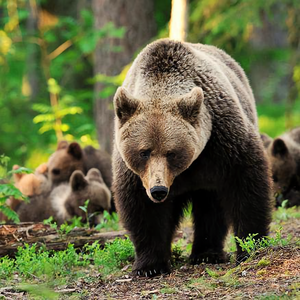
x: 125, y: 105
x: 77, y: 181
x: 95, y: 175
x: 279, y: 147
x: 189, y: 105
x: 266, y: 140
x: 75, y: 150
x: 62, y: 145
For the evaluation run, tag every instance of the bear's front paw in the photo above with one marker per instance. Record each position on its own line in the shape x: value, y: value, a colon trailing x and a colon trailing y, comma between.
x: 152, y: 270
x: 241, y: 257
x: 209, y: 258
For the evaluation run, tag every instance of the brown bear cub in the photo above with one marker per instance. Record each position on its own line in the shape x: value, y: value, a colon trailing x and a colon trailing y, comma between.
x: 64, y: 200
x: 284, y: 156
x: 81, y: 188
x: 186, y: 131
x: 70, y: 157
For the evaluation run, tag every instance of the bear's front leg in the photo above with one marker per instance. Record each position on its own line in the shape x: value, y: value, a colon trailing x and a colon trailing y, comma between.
x: 210, y: 228
x: 151, y: 230
x: 151, y: 225
x: 251, y: 206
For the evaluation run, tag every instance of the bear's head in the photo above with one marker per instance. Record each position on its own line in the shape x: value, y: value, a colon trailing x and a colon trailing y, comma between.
x: 158, y: 141
x: 64, y: 161
x: 284, y: 157
x: 90, y: 187
x: 33, y: 183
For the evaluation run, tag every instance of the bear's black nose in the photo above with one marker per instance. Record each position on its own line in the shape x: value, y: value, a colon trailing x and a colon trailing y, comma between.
x: 159, y: 192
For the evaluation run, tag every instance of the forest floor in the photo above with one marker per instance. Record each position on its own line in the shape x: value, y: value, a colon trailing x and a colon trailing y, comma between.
x: 271, y: 273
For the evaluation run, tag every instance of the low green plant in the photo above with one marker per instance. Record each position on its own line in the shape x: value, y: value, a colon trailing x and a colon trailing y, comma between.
x: 85, y: 209
x: 283, y: 213
x: 64, y: 228
x: 263, y: 262
x: 109, y: 221
x: 113, y: 256
x: 250, y: 244
x: 9, y: 190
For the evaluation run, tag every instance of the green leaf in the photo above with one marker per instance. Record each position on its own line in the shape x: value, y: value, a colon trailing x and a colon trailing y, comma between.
x: 21, y: 170
x: 41, y: 108
x: 9, y: 189
x: 12, y: 215
x: 83, y: 208
x: 44, y: 118
x: 53, y: 87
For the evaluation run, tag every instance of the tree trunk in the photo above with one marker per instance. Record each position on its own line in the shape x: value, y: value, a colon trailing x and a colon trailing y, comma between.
x: 178, y: 22
x: 137, y: 16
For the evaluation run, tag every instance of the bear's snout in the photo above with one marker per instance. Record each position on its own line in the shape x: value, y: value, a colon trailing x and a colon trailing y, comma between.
x: 159, y: 193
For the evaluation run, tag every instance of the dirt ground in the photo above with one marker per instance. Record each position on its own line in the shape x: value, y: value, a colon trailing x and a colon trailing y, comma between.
x: 273, y: 273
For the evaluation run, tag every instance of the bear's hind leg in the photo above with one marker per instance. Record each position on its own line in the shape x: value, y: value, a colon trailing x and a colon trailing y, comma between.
x: 210, y: 227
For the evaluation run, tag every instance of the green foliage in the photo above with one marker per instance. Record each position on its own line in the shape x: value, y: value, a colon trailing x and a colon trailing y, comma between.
x: 250, y: 244
x: 113, y: 256
x: 33, y: 262
x: 109, y: 221
x: 283, y: 213
x: 85, y: 209
x: 9, y: 190
x: 60, y: 56
x: 272, y: 119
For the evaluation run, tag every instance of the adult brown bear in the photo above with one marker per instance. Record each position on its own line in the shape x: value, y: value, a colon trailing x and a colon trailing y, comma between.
x: 186, y: 130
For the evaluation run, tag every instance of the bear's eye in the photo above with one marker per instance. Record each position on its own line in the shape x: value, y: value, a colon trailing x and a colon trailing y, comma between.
x: 145, y: 154
x: 171, y: 155
x: 56, y: 171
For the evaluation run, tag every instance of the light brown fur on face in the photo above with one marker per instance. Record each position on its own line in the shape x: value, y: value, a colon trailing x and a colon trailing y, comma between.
x: 171, y: 138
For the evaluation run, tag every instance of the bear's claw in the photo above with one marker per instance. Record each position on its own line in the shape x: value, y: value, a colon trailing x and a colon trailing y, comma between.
x: 151, y: 272
x: 209, y: 257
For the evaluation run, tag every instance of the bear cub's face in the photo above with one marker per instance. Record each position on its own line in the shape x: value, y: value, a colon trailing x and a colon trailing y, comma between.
x: 158, y: 143
x: 66, y: 159
x: 284, y: 157
x: 90, y: 187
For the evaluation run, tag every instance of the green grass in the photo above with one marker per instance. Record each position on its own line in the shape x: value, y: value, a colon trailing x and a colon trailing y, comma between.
x: 35, y: 265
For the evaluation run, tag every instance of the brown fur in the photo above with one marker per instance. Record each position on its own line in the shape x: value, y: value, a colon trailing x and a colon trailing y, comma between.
x: 64, y: 200
x: 186, y: 130
x: 33, y: 183
x: 29, y: 185
x: 70, y: 157
x: 82, y: 188
x: 284, y: 155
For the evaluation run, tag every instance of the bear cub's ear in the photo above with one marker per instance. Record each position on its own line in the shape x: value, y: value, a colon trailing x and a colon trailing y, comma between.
x: 94, y: 175
x: 266, y: 140
x: 75, y: 150
x: 62, y: 145
x: 189, y: 105
x: 125, y: 105
x: 279, y: 148
x: 78, y: 182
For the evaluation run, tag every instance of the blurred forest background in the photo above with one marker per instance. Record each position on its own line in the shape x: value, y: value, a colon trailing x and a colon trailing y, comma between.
x: 61, y: 62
